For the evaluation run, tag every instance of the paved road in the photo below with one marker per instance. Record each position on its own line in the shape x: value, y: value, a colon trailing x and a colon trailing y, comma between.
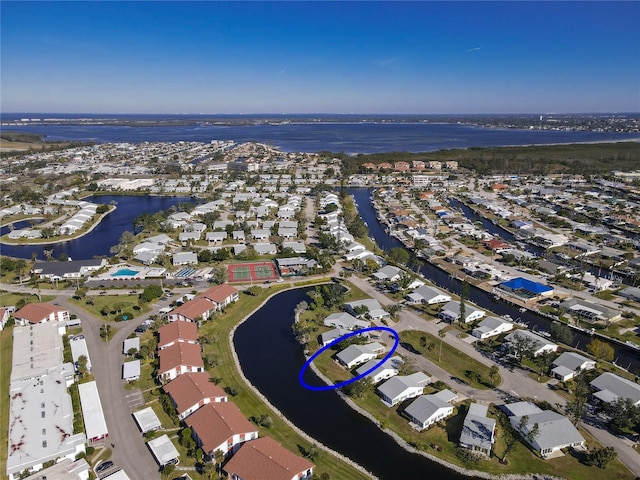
x: 514, y: 381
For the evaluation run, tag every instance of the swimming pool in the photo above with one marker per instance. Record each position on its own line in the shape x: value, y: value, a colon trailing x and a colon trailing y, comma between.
x: 125, y: 272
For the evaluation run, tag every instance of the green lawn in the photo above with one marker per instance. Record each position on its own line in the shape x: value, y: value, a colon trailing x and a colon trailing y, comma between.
x: 115, y: 303
x: 453, y: 360
x: 6, y: 342
x: 10, y: 298
x: 248, y: 401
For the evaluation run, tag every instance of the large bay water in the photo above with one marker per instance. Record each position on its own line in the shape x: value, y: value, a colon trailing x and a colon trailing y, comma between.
x: 298, y: 136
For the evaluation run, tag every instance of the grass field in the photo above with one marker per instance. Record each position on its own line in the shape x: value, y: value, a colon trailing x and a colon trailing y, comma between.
x: 10, y: 298
x: 114, y: 303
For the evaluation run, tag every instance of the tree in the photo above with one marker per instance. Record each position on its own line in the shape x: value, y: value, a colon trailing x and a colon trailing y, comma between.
x: 404, y: 281
x: 600, y: 350
x: 623, y: 413
x: 544, y: 362
x: 494, y: 374
x: 186, y: 440
x: 393, y: 309
x: 151, y: 292
x: 218, y: 457
x: 399, y: 256
x: 82, y: 365
x: 522, y: 347
x: 441, y: 333
x: 358, y: 389
x: 464, y: 294
x: 601, y: 457
x: 562, y: 333
x: 209, y: 470
x: 218, y: 275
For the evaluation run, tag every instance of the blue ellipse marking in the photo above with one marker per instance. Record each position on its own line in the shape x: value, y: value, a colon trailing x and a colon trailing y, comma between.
x: 356, y: 378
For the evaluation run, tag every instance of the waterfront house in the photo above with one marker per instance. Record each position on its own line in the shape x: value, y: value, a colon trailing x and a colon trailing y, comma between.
x: 426, y: 410
x: 179, y: 358
x: 384, y: 371
x: 33, y: 313
x: 266, y: 459
x: 345, y: 321
x: 177, y: 331
x: 191, y: 391
x: 221, y: 295
x: 220, y: 426
x: 491, y: 326
x: 589, y: 311
x: 451, y: 312
x: 329, y: 337
x: 356, y: 354
x: 478, y: 431
x: 387, y: 273
x: 193, y: 311
x: 72, y: 269
x: 427, y: 295
x: 538, y: 344
x: 554, y: 431
x: 375, y: 310
x: 610, y: 387
x: 400, y: 388
x: 569, y: 364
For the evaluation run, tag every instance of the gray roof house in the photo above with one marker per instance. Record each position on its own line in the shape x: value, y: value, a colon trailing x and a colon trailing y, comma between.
x: 539, y: 344
x: 428, y: 295
x: 345, y: 320
x: 356, y: 354
x: 555, y: 431
x: 478, y: 430
x: 384, y: 371
x: 376, y: 312
x: 426, y: 410
x: 265, y: 248
x: 329, y: 337
x: 570, y: 363
x: 451, y: 312
x: 388, y: 272
x: 400, y: 388
x: 610, y: 387
x: 215, y: 237
x: 185, y: 258
x: 297, y: 247
x: 590, y: 312
x: 491, y: 326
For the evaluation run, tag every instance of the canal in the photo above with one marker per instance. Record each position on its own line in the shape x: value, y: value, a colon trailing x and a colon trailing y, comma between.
x: 625, y: 357
x: 271, y: 359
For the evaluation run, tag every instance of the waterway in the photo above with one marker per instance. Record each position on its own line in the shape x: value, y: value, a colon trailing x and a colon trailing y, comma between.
x: 106, y: 234
x: 271, y: 359
x: 625, y: 357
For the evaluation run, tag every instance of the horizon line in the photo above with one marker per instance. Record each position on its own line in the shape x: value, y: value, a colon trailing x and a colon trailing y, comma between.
x: 323, y: 113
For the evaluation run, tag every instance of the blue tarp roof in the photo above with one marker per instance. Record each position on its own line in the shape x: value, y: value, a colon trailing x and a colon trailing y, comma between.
x: 523, y: 283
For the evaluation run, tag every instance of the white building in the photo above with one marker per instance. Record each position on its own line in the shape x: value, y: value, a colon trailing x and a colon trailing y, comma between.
x: 400, y: 388
x: 94, y: 423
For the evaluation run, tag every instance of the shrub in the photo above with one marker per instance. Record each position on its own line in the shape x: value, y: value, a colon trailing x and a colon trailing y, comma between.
x: 121, y: 317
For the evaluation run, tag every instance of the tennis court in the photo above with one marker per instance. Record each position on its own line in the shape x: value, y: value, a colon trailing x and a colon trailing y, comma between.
x: 252, y: 272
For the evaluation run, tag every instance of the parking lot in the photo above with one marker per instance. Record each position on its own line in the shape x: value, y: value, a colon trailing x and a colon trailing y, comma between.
x: 134, y: 399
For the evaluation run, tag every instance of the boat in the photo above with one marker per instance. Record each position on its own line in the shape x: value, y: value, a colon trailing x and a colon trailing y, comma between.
x: 522, y: 309
x: 631, y: 344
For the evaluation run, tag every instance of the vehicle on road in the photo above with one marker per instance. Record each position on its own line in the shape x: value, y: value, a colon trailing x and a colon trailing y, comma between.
x: 104, y: 466
x: 141, y: 329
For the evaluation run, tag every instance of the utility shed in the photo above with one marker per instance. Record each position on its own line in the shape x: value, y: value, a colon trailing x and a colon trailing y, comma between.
x: 94, y: 422
x: 131, y: 371
x: 119, y: 475
x: 147, y: 420
x: 130, y: 343
x: 163, y: 449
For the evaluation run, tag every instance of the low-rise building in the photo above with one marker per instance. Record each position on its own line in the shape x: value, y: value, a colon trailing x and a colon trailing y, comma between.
x: 400, y: 388
x: 356, y: 354
x: 179, y: 358
x: 191, y: 391
x: 492, y: 326
x: 567, y: 365
x: 426, y: 410
x: 610, y: 387
x: 478, y: 430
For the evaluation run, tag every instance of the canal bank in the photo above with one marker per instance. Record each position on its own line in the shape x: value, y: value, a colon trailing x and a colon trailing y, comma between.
x: 623, y: 356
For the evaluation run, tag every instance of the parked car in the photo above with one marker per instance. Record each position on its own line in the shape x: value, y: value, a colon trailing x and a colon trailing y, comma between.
x: 104, y: 466
x: 141, y: 329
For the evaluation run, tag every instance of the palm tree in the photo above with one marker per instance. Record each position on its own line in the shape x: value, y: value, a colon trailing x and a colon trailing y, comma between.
x: 441, y: 333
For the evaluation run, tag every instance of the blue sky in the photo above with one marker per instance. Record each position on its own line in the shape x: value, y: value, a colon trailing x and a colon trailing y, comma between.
x: 302, y: 57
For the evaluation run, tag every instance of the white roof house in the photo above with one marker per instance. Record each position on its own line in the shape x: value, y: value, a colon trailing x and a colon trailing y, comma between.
x: 428, y: 295
x: 79, y: 348
x: 131, y: 370
x: 478, y: 430
x: 492, y: 326
x: 570, y: 363
x: 384, y: 371
x: 426, y: 410
x: 451, y: 312
x: 356, y: 354
x: 185, y: 258
x: 400, y: 388
x: 130, y: 343
x: 345, y: 321
x: 147, y: 420
x: 610, y: 387
x: 94, y: 422
x: 376, y: 312
x: 539, y: 344
x: 555, y: 431
x: 163, y: 449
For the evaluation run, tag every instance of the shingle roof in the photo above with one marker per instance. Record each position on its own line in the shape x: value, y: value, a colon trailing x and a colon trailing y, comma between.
x: 180, y: 354
x: 36, y: 312
x: 177, y: 330
x: 219, y: 293
x: 215, y: 423
x: 618, y: 386
x: 189, y: 388
x: 477, y: 429
x: 266, y: 459
x: 423, y: 407
x: 553, y: 430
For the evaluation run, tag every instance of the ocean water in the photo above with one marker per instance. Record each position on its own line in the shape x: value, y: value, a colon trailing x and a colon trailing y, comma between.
x: 350, y: 137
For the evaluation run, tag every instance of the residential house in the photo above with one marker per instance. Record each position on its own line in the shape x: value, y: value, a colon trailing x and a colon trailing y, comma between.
x: 569, y: 364
x: 192, y: 311
x: 428, y: 295
x: 400, y: 388
x: 216, y: 237
x: 72, y: 269
x: 538, y: 344
x: 426, y: 410
x: 297, y: 247
x: 589, y: 311
x: 450, y: 312
x: 39, y: 313
x: 220, y: 426
x: 478, y: 431
x: 356, y: 354
x: 345, y: 321
x: 610, y: 387
x: 388, y: 273
x: 332, y: 335
x: 375, y: 310
x: 5, y: 313
x: 383, y: 371
x: 265, y: 248
x: 221, y: 295
x: 185, y: 258
x: 179, y: 358
x: 191, y: 391
x: 266, y: 459
x: 492, y: 326
x: 554, y: 431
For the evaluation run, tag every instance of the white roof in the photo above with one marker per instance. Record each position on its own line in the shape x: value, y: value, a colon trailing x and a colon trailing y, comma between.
x: 94, y: 422
x: 119, y: 475
x: 79, y: 348
x: 163, y: 449
x: 37, y: 358
x: 131, y: 369
x: 130, y: 343
x: 147, y: 419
